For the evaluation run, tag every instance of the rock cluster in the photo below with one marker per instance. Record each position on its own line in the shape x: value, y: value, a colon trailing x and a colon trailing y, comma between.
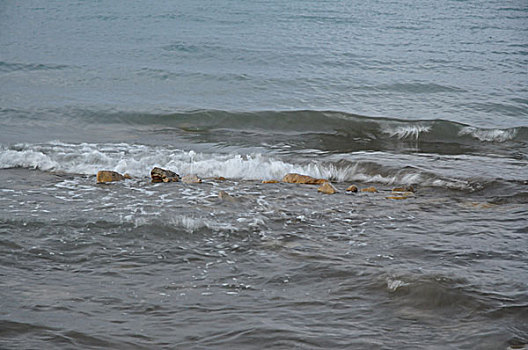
x: 162, y: 175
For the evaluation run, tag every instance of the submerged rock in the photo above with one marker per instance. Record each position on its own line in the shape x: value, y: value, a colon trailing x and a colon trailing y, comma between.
x: 223, y: 195
x: 104, y: 176
x: 162, y: 175
x: 397, y: 197
x: 352, y: 188
x: 403, y: 189
x: 270, y: 181
x: 302, y: 179
x: 370, y: 189
x: 191, y: 179
x: 327, y: 188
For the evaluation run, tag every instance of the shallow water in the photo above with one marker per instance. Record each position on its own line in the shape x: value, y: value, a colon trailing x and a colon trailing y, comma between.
x: 374, y: 94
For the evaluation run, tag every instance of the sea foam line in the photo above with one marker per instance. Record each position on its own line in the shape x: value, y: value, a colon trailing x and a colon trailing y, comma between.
x: 138, y: 160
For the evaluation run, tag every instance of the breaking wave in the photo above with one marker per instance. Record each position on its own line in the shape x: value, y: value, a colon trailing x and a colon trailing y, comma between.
x: 138, y: 160
x: 310, y: 122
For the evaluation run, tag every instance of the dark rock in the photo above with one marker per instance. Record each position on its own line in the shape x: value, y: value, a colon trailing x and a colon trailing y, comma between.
x: 162, y: 175
x: 352, y: 188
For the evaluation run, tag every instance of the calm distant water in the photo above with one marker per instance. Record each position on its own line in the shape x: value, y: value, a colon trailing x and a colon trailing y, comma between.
x: 372, y: 93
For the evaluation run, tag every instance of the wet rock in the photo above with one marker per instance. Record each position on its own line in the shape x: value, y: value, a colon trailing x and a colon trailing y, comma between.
x: 302, y: 179
x: 223, y: 195
x: 352, y: 188
x: 397, y: 197
x: 370, y: 189
x: 480, y: 205
x: 191, y: 179
x: 104, y: 176
x: 270, y: 181
x: 127, y: 176
x: 219, y: 178
x: 403, y: 189
x: 162, y: 175
x: 327, y: 188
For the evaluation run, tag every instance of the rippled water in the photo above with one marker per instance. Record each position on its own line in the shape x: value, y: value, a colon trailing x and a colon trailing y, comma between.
x: 384, y: 94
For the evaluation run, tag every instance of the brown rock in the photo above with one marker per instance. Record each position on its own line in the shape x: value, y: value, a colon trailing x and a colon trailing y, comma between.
x: 403, y: 189
x: 370, y: 189
x: 162, y: 175
x: 352, y: 188
x: 127, y: 176
x: 104, y: 176
x: 327, y: 188
x: 219, y: 178
x: 191, y: 179
x: 302, y: 179
x: 270, y: 181
x: 397, y: 197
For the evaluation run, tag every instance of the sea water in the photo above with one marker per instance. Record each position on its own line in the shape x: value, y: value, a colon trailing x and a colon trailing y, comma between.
x: 385, y: 94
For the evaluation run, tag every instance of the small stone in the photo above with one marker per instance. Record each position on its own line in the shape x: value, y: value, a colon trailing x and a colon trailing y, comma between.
x: 191, y: 179
x: 270, y: 181
x: 327, y: 188
x: 370, y: 189
x: 352, y: 188
x: 302, y: 179
x: 162, y: 175
x: 223, y: 195
x: 104, y: 176
x: 397, y: 197
x: 219, y: 178
x: 403, y: 189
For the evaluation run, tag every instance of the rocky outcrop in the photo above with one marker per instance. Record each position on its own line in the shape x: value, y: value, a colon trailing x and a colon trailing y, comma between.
x: 191, y: 179
x: 352, y: 188
x: 302, y: 179
x: 105, y: 176
x: 327, y: 188
x: 370, y: 189
x: 162, y: 175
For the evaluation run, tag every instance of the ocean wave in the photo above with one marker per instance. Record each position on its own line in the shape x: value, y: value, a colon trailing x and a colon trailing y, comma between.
x: 489, y: 135
x: 302, y: 122
x: 327, y: 131
x: 7, y: 67
x: 138, y: 160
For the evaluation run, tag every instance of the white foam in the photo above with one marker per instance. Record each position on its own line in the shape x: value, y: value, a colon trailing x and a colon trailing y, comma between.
x: 406, y: 131
x: 489, y: 135
x: 394, y: 284
x: 138, y: 160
